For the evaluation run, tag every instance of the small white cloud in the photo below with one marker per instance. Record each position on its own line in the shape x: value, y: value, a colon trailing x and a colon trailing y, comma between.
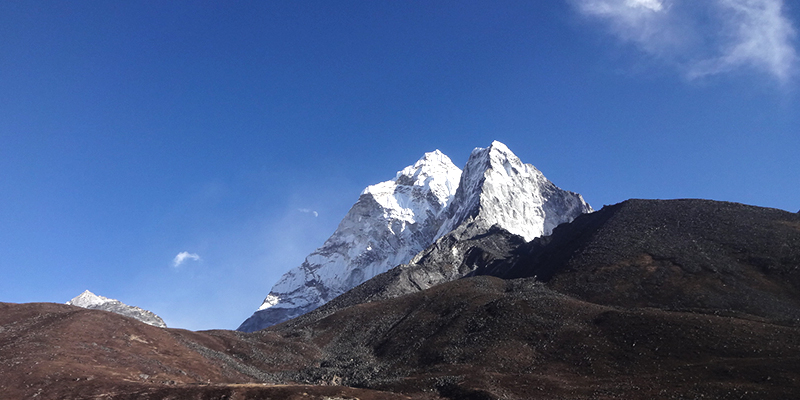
x: 308, y: 211
x: 655, y: 5
x: 707, y: 37
x: 182, y: 256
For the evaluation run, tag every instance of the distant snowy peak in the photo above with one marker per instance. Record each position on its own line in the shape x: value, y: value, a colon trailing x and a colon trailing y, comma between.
x: 88, y: 299
x: 92, y: 301
x: 497, y: 188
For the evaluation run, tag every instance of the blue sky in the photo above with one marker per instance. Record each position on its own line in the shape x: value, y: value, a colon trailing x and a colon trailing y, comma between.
x: 181, y: 156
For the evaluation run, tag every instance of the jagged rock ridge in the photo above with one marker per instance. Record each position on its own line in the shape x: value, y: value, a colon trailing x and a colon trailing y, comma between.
x: 396, y: 220
x: 92, y: 301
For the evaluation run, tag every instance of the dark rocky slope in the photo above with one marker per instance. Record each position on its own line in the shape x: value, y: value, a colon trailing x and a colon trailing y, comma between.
x: 671, y: 254
x: 641, y: 300
x: 696, y: 284
x: 488, y: 338
x: 448, y: 259
x: 56, y: 351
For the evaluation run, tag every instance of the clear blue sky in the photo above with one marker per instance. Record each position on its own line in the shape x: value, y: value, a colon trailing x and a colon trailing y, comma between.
x: 131, y: 132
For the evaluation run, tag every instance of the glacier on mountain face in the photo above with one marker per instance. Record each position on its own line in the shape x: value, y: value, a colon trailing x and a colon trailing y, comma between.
x: 390, y: 223
x: 395, y: 220
x: 92, y: 301
x: 497, y: 188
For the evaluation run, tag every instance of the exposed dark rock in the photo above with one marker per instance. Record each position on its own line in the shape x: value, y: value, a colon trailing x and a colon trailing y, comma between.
x: 520, y: 339
x: 447, y: 259
x: 671, y: 254
x: 641, y: 300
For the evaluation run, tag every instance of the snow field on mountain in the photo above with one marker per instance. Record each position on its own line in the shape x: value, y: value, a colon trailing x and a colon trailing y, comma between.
x: 395, y: 220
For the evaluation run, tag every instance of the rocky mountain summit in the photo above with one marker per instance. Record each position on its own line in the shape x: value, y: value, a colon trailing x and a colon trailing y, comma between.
x: 390, y: 223
x: 92, y: 301
x: 394, y: 221
x: 497, y: 188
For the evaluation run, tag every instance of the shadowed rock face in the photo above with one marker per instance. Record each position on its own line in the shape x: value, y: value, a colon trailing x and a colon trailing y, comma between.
x: 494, y: 338
x: 671, y: 254
x: 692, y: 283
x: 446, y: 260
x: 641, y: 300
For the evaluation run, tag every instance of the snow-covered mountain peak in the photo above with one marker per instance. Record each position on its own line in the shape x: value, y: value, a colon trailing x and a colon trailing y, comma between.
x: 497, y: 162
x: 431, y: 164
x: 495, y: 147
x: 497, y: 188
x: 395, y: 220
x: 499, y: 158
x: 408, y: 198
x: 88, y: 299
x: 391, y: 222
x: 434, y: 170
x: 92, y: 301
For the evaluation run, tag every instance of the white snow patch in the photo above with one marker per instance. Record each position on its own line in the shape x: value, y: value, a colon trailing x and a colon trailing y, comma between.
x: 89, y: 299
x: 270, y: 301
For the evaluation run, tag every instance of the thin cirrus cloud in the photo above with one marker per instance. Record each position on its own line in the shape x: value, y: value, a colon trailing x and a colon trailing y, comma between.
x: 308, y: 211
x: 183, y: 256
x: 705, y: 38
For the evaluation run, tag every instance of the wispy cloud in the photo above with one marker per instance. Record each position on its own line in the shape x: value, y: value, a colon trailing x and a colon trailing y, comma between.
x: 641, y: 21
x: 183, y: 256
x: 761, y: 37
x: 308, y: 211
x: 707, y: 37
